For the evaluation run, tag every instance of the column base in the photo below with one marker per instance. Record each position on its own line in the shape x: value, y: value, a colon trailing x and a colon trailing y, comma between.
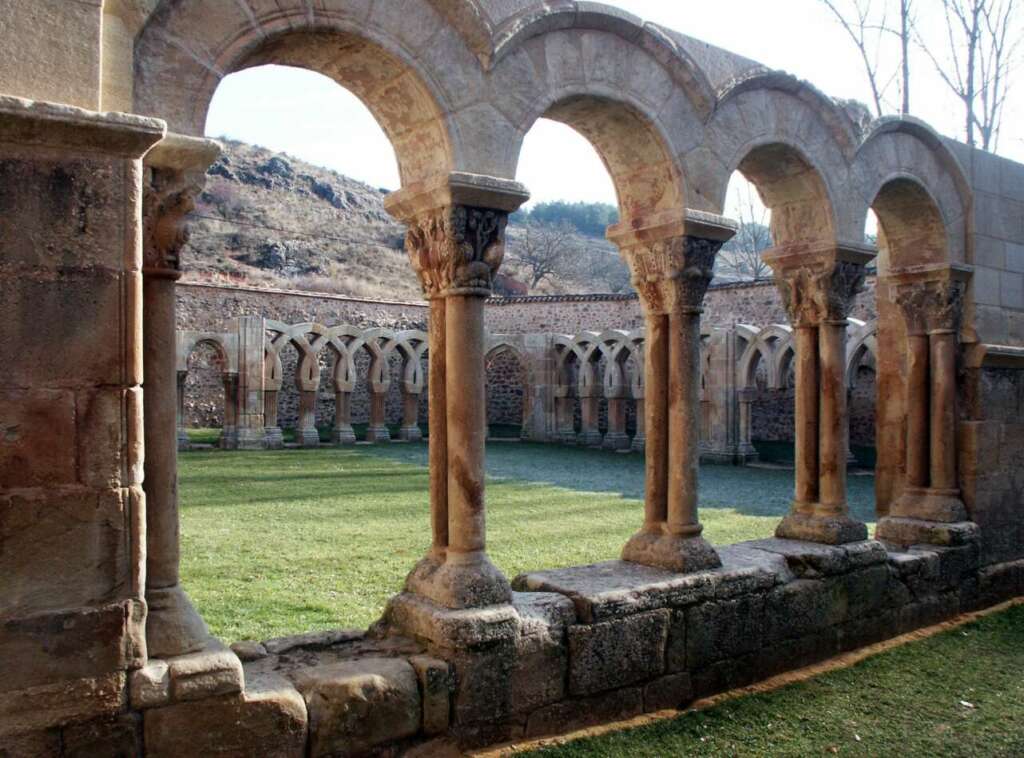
x: 378, y: 434
x: 183, y: 441
x: 343, y: 435
x: 460, y: 580
x: 410, y: 434
x: 173, y: 626
x: 905, y: 532
x: 565, y: 438
x: 828, y: 530
x: 591, y: 438
x: 252, y: 439
x: 930, y: 504
x: 228, y: 439
x: 639, y: 444
x: 616, y: 441
x: 671, y: 552
x: 307, y: 437
x: 274, y: 438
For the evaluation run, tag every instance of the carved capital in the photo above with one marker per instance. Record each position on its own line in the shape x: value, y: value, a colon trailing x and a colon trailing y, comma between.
x: 930, y: 306
x: 168, y: 197
x: 819, y: 292
x: 673, y: 274
x: 457, y: 249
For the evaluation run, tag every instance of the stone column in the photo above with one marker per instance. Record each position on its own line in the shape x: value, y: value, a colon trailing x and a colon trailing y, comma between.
x: 274, y: 435
x: 343, y: 434
x: 306, y: 434
x: 590, y: 407
x: 930, y: 509
x: 410, y: 431
x: 818, y: 286
x: 745, y: 399
x: 672, y: 262
x: 455, y: 243
x: 565, y: 415
x: 639, y: 442
x: 251, y: 434
x: 175, y: 174
x: 229, y: 432
x: 616, y: 438
x: 182, y: 431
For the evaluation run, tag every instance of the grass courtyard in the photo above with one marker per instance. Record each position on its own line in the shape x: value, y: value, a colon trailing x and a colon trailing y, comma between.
x: 280, y: 542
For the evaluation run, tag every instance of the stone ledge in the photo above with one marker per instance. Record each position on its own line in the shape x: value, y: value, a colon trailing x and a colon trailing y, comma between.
x: 468, y: 629
x: 613, y: 589
x: 810, y: 560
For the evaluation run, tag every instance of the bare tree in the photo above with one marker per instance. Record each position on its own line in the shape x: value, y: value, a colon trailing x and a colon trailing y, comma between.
x: 543, y: 250
x: 741, y: 256
x: 980, y: 56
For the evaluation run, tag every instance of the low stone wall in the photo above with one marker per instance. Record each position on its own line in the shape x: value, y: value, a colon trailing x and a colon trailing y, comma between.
x: 575, y: 648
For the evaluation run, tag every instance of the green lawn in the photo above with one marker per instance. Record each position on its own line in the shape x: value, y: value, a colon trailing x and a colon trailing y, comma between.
x: 960, y: 693
x: 288, y: 541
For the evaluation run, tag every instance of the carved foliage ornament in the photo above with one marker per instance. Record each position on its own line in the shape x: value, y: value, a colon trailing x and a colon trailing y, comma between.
x: 673, y: 274
x: 931, y: 306
x: 812, y: 295
x: 168, y: 197
x: 457, y: 250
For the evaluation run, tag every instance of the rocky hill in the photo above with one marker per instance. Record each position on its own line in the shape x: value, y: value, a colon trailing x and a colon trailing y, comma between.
x: 267, y: 219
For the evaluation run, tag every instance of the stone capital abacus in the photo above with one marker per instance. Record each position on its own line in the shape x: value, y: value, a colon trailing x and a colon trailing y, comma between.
x: 930, y: 298
x: 819, y: 283
x: 175, y: 173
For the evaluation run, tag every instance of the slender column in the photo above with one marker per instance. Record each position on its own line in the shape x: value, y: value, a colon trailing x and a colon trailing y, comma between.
x: 616, y: 438
x: 930, y: 502
x: 745, y: 397
x: 456, y: 250
x: 229, y: 432
x: 818, y: 286
x: 410, y: 430
x: 377, y: 431
x: 251, y: 434
x: 342, y: 433
x: 182, y: 431
x: 173, y: 627
x: 306, y: 435
x: 438, y: 432
x: 565, y: 418
x: 834, y: 420
x: 672, y: 275
x: 590, y: 433
x: 639, y: 443
x: 274, y: 435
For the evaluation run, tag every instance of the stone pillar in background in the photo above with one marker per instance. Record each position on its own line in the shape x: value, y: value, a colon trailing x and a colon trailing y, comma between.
x: 930, y: 509
x: 565, y: 414
x: 590, y: 407
x: 637, y: 391
x: 307, y: 382
x: 182, y: 431
x: 727, y: 427
x: 380, y: 384
x: 616, y: 438
x: 818, y: 286
x: 412, y: 390
x: 272, y: 372
x: 342, y: 433
x: 745, y: 400
x: 250, y: 433
x: 175, y: 172
x: 456, y: 243
x: 72, y: 508
x: 229, y: 432
x: 672, y: 263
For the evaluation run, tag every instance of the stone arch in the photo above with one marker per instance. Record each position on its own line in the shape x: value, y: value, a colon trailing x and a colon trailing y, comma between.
x: 863, y: 346
x: 384, y: 53
x: 501, y: 400
x: 191, y: 381
x: 793, y: 144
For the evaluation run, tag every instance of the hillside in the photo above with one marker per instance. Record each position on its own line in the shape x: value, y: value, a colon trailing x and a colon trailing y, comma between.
x: 270, y: 220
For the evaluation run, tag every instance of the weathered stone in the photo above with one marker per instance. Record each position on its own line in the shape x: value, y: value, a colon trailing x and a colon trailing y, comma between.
x: 483, y: 684
x: 668, y: 692
x: 47, y: 705
x: 542, y: 655
x: 724, y: 629
x: 150, y: 686
x: 358, y: 705
x: 30, y: 744
x: 119, y: 736
x: 464, y: 629
x: 613, y: 654
x: 570, y: 715
x: 800, y: 608
x: 435, y: 691
x: 213, y: 671
x: 269, y: 718
x: 311, y: 640
x: 249, y: 650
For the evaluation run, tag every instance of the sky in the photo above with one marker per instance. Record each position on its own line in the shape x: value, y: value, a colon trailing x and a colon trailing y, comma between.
x: 316, y: 120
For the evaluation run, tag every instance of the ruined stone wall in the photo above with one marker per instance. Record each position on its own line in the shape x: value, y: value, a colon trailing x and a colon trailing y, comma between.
x: 506, y: 379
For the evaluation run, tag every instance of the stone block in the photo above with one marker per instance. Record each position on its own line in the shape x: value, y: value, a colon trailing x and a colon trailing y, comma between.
x: 483, y: 684
x: 269, y: 718
x: 308, y: 641
x: 49, y: 648
x: 36, y: 708
x: 800, y: 608
x: 359, y: 705
x: 928, y: 611
x: 672, y: 691
x: 88, y: 314
x: 37, y: 438
x: 542, y: 654
x: 570, y: 715
x: 119, y: 736
x: 811, y: 560
x: 150, y: 686
x: 724, y: 675
x: 435, y: 690
x: 863, y: 591
x: 1000, y: 582
x: 43, y: 742
x: 108, y: 423
x: 953, y: 563
x: 249, y: 650
x: 468, y: 629
x: 63, y: 548
x: 867, y: 630
x: 724, y: 629
x: 213, y: 671
x: 612, y: 654
x: 792, y: 654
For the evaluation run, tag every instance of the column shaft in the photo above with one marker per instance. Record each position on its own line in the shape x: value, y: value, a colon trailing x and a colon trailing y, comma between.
x: 438, y: 419
x: 833, y: 420
x: 182, y: 431
x: 656, y: 411
x: 683, y: 422
x: 342, y: 433
x: 466, y: 376
x: 943, y: 410
x: 806, y: 412
x: 918, y: 421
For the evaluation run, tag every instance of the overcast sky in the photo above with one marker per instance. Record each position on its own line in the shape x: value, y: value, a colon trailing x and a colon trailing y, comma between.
x: 314, y: 119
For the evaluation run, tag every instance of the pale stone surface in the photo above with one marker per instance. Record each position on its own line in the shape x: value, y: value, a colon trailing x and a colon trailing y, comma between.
x: 215, y: 670
x: 150, y: 686
x: 359, y: 705
x: 435, y: 690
